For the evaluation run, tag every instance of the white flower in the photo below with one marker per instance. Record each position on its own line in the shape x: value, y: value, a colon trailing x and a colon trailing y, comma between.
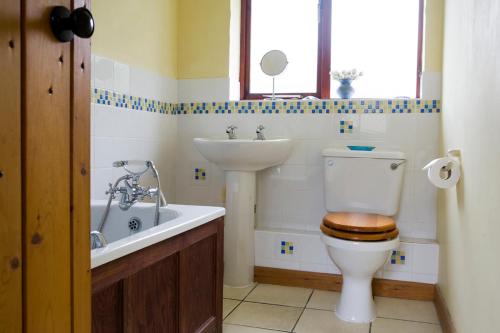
x: 352, y: 74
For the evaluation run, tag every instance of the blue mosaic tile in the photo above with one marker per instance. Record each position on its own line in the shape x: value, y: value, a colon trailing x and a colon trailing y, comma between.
x: 269, y: 107
x: 286, y: 247
x: 400, y: 105
x: 427, y: 106
x: 398, y: 257
x: 245, y: 107
x: 345, y: 106
x: 372, y: 106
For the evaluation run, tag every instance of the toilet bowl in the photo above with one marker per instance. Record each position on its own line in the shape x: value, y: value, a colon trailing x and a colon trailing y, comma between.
x: 362, y: 193
x: 359, y: 245
x: 357, y: 261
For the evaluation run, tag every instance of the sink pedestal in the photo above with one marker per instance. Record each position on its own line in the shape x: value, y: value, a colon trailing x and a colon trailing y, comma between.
x: 239, y: 255
x: 241, y: 159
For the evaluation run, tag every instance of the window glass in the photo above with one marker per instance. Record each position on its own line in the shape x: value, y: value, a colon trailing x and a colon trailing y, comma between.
x: 292, y: 27
x: 379, y: 38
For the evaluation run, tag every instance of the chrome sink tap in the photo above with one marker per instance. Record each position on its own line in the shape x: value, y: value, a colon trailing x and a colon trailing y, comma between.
x: 260, y: 133
x: 231, y: 132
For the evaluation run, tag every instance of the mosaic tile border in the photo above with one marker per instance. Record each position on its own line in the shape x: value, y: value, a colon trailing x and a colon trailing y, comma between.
x: 111, y: 98
x: 333, y: 106
x: 361, y: 106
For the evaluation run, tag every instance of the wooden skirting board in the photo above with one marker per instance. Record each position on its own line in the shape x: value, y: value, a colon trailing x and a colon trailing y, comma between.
x: 443, y: 312
x: 381, y: 287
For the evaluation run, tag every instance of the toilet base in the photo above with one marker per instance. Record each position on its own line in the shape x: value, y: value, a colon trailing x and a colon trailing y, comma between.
x: 356, y: 301
x: 358, y: 262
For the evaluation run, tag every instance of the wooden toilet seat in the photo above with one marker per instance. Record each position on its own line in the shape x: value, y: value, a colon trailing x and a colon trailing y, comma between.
x: 359, y: 227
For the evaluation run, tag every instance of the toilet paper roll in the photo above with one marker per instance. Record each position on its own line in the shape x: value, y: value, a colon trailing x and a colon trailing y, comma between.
x: 443, y: 172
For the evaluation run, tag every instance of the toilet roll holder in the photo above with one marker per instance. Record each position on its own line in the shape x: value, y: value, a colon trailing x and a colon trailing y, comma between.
x: 446, y: 170
x: 456, y: 154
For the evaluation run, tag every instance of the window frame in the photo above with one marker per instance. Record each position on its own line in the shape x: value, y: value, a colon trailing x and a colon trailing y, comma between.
x: 324, y: 52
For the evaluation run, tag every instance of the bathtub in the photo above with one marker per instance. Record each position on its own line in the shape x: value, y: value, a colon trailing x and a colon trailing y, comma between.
x: 132, y: 230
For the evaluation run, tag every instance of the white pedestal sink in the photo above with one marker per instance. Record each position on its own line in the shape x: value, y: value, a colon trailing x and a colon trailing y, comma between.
x: 241, y: 159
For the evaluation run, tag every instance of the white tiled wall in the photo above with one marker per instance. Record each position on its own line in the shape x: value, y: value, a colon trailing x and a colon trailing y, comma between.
x: 115, y: 76
x: 124, y: 134
x: 290, y: 196
x: 310, y: 254
x: 290, y: 202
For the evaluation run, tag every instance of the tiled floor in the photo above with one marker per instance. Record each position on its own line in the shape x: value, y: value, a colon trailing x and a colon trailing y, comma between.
x: 268, y: 308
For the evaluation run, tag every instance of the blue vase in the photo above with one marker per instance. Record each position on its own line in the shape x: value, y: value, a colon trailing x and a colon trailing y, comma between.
x: 345, y: 90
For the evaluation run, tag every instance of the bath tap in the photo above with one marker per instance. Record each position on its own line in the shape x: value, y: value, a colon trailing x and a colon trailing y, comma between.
x: 231, y: 132
x: 97, y: 240
x: 260, y: 133
x: 130, y: 193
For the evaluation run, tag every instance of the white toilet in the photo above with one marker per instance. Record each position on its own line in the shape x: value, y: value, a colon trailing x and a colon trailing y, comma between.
x: 362, y: 193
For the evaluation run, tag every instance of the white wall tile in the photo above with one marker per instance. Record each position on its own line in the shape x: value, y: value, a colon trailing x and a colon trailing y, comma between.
x: 99, y: 182
x: 400, y: 276
x: 424, y: 278
x: 425, y: 259
x: 151, y: 85
x: 314, y: 251
x: 103, y: 73
x: 264, y: 241
x: 282, y: 264
x: 203, y: 90
x: 121, y: 82
x: 431, y: 85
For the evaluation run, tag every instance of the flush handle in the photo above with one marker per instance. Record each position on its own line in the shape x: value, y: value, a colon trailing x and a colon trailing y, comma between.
x: 394, y: 166
x: 65, y: 24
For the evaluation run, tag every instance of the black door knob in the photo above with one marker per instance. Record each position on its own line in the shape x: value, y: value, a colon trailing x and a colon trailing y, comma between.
x: 66, y: 24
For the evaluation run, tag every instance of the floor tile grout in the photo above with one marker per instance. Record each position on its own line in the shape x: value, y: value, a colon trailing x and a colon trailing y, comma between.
x: 239, y: 303
x: 412, y: 321
x: 255, y: 286
x: 303, y: 309
x: 286, y: 306
x: 262, y: 328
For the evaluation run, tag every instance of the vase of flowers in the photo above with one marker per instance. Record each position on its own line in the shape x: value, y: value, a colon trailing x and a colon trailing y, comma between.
x: 345, y: 90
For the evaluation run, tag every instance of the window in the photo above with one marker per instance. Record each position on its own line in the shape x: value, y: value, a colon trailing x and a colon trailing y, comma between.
x: 382, y: 38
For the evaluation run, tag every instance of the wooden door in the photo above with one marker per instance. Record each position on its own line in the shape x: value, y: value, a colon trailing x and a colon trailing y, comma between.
x: 10, y: 167
x: 44, y: 193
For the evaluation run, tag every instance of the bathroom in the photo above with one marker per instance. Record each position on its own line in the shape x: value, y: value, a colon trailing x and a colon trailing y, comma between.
x: 226, y: 161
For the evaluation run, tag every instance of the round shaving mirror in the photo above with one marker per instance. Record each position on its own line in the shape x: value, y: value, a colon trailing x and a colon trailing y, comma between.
x: 273, y: 62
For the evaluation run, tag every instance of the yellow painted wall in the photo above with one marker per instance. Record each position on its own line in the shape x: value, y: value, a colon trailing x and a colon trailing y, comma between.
x: 203, y: 39
x: 190, y: 39
x: 433, y: 35
x: 469, y: 220
x: 139, y: 33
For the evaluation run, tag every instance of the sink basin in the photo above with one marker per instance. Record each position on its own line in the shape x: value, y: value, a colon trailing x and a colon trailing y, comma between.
x: 240, y: 159
x: 244, y: 155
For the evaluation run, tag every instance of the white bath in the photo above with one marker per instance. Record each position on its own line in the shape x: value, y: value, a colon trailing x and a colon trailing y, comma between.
x: 174, y: 220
